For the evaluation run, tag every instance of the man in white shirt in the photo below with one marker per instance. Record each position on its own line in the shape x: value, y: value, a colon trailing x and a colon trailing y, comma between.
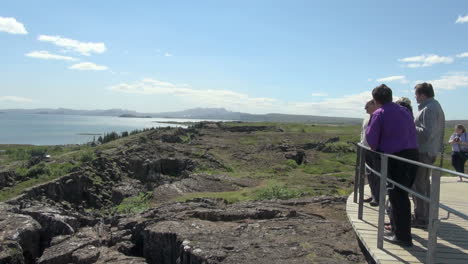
x: 371, y: 159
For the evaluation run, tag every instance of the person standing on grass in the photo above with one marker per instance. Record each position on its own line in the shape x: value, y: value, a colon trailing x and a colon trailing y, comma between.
x: 391, y: 130
x: 459, y: 142
x: 430, y: 127
x: 372, y: 159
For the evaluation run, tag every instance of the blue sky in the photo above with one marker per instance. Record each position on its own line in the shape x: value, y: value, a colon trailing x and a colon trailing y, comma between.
x: 301, y: 57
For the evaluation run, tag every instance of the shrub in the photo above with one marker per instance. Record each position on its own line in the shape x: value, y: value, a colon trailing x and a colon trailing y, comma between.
x: 37, y: 170
x: 87, y: 156
x: 38, y: 152
x: 338, y: 147
x: 277, y: 192
x: 292, y: 163
x: 135, y: 204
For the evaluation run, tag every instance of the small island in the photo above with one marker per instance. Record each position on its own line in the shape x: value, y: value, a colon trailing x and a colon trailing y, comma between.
x: 133, y: 116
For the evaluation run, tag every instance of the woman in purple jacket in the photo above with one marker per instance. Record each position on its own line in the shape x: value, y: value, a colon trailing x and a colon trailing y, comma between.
x: 392, y: 131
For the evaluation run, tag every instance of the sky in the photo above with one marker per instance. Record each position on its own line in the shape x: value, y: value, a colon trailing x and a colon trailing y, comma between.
x: 262, y: 56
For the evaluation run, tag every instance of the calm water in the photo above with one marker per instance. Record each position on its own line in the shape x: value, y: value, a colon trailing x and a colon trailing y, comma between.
x: 40, y: 129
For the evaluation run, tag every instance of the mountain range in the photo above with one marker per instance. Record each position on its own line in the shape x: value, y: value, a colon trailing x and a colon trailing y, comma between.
x: 196, y: 113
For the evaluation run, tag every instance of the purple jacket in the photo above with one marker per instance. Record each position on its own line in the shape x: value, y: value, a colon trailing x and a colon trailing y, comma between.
x: 391, y: 129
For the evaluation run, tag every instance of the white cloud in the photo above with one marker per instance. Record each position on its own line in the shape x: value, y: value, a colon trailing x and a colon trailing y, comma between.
x: 319, y: 94
x: 84, y: 48
x: 42, y: 54
x: 462, y: 55
x: 88, y: 66
x: 207, y: 97
x: 16, y: 99
x: 349, y: 105
x: 462, y: 19
x: 167, y: 54
x: 10, y: 25
x: 450, y: 81
x: 400, y: 78
x: 425, y: 60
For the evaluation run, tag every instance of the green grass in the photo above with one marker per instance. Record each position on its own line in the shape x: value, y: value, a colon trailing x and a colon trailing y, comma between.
x: 330, y: 163
x: 38, y: 174
x: 245, y: 194
x: 324, y: 174
x: 63, y: 161
x: 24, y: 153
x: 277, y: 191
x: 134, y: 205
x: 8, y: 193
x: 270, y: 189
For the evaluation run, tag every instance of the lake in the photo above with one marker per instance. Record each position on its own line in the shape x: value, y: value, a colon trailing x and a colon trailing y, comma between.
x: 41, y: 129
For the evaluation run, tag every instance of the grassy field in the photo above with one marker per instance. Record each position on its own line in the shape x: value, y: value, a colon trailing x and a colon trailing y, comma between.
x: 253, y: 155
x: 63, y: 159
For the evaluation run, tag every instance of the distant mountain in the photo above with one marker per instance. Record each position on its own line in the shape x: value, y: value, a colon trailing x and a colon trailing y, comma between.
x: 207, y: 113
x: 196, y: 113
x: 134, y: 116
x: 453, y: 123
x: 66, y: 111
x: 202, y: 113
x: 223, y: 114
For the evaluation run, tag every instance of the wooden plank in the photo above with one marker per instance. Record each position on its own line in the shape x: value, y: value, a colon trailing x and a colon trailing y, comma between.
x: 452, y: 243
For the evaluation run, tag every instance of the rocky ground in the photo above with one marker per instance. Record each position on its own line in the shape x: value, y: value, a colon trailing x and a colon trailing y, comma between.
x: 71, y: 219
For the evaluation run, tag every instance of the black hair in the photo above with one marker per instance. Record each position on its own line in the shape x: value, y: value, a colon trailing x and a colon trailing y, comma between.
x: 425, y: 88
x: 382, y: 94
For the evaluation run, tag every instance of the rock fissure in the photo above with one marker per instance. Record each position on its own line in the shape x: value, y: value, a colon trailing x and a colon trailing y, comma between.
x: 71, y: 219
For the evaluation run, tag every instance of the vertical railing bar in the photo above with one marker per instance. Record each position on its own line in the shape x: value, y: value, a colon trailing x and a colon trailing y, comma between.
x: 362, y: 162
x: 357, y: 172
x: 433, y: 224
x: 434, y: 198
x: 383, y: 194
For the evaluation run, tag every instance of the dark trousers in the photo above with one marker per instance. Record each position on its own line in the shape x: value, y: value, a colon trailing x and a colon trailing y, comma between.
x: 373, y: 160
x: 458, y: 161
x: 404, y: 174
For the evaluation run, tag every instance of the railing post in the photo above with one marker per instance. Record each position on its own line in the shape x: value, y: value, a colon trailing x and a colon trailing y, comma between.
x: 356, y: 174
x: 382, y: 196
x: 362, y: 169
x: 433, y: 224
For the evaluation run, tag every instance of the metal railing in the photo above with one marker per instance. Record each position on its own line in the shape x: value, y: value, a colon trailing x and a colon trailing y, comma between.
x: 433, y: 199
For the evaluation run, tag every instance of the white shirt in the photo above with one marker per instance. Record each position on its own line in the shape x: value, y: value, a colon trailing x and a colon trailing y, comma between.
x: 365, y: 123
x: 463, y: 138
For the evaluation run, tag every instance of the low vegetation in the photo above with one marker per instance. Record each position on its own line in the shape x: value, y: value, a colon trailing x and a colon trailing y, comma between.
x: 134, y: 205
x: 108, y: 137
x: 39, y: 164
x: 328, y: 170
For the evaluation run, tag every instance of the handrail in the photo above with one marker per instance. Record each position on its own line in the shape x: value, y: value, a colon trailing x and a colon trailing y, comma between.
x: 433, y: 199
x: 416, y: 162
x: 400, y: 186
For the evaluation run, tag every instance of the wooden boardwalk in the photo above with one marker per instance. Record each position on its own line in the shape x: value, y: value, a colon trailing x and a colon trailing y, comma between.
x: 452, y: 238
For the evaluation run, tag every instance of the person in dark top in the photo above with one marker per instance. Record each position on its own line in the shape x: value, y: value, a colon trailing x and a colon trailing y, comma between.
x: 391, y: 130
x: 459, y: 142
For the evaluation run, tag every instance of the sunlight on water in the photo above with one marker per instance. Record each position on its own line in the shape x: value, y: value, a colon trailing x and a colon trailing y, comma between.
x: 41, y: 129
